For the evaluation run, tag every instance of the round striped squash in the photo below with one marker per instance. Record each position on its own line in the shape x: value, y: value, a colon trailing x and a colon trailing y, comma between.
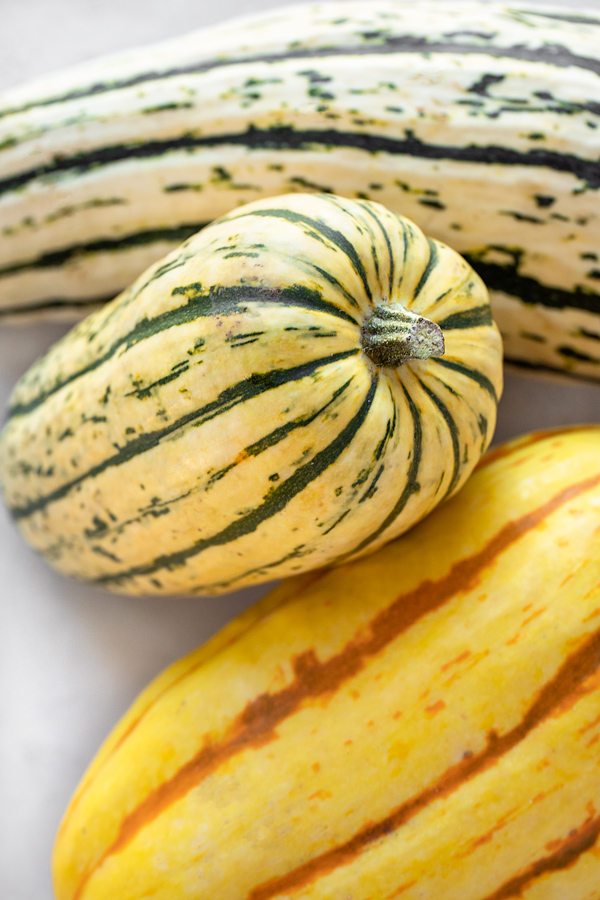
x: 295, y: 385
x: 423, y: 723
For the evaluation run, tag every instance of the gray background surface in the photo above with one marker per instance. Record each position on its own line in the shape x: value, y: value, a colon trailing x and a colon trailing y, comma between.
x: 72, y: 658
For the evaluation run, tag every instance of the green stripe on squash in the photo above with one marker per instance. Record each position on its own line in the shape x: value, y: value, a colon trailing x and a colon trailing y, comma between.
x: 234, y: 417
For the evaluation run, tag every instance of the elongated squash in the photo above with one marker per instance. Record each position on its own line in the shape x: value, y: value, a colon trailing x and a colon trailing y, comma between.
x: 477, y: 121
x: 298, y: 384
x: 424, y: 722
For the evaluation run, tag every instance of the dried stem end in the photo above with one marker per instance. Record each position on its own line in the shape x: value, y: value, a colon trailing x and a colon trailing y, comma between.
x: 393, y: 334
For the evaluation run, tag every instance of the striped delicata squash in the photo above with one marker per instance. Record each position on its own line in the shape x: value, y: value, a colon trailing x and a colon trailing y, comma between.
x: 297, y: 384
x: 421, y: 723
x: 478, y: 121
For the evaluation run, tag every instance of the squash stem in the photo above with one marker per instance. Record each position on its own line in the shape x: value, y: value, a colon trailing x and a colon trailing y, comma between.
x: 392, y: 335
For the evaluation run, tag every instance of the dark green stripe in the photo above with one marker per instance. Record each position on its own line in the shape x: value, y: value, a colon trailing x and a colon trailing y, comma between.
x: 55, y: 258
x: 431, y: 264
x: 365, y: 473
x: 335, y: 237
x: 222, y: 301
x: 252, y: 386
x: 482, y: 380
x: 376, y: 42
x: 274, y: 503
x: 332, y: 280
x: 389, y: 428
x: 408, y: 236
x: 279, y: 434
x: 468, y: 318
x: 244, y: 343
x: 572, y: 353
x: 372, y: 488
x: 363, y: 225
x: 230, y: 583
x: 508, y: 280
x: 285, y: 137
x: 371, y: 212
x: 163, y: 507
x: 338, y: 521
x: 143, y: 393
x: 444, y: 294
x: 243, y: 336
x: 411, y: 485
x: 453, y: 434
x: 592, y: 335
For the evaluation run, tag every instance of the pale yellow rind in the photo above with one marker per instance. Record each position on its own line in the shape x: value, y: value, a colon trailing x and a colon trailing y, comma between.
x: 221, y: 422
x: 446, y: 685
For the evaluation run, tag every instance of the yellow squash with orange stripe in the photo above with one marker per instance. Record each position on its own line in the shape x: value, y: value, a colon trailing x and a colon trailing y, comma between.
x: 421, y: 723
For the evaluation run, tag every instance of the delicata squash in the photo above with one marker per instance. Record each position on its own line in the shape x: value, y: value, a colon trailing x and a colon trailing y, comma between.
x: 296, y: 385
x: 478, y: 121
x: 420, y: 723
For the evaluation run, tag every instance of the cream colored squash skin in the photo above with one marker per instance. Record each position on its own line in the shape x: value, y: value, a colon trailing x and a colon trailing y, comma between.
x: 257, y: 404
x: 478, y: 121
x: 421, y: 723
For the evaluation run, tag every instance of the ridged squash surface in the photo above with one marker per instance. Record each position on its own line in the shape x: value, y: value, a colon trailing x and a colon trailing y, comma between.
x: 423, y: 722
x: 478, y: 121
x: 223, y: 422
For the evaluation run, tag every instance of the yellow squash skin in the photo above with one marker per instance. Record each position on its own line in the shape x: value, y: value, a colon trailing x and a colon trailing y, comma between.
x: 421, y: 723
x: 221, y: 422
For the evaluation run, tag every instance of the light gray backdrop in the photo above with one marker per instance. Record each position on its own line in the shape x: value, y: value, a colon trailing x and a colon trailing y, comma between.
x: 73, y: 658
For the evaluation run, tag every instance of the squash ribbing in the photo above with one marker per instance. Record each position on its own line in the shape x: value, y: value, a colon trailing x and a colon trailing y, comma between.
x: 220, y: 422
